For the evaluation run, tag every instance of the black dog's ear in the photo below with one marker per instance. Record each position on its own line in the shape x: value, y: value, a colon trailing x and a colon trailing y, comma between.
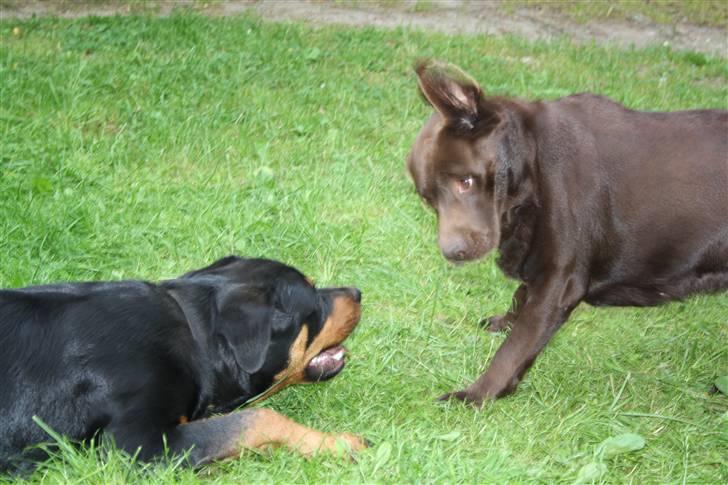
x: 454, y: 94
x: 244, y: 327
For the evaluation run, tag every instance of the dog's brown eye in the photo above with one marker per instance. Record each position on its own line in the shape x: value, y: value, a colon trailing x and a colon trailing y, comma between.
x: 465, y: 183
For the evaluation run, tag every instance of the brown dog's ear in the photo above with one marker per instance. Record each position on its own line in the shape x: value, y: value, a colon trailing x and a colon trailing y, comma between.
x: 454, y: 94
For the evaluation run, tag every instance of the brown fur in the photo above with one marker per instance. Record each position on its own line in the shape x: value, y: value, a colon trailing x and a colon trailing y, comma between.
x: 585, y: 200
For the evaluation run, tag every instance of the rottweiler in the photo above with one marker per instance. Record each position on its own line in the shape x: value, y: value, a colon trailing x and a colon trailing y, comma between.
x: 585, y: 200
x: 158, y: 368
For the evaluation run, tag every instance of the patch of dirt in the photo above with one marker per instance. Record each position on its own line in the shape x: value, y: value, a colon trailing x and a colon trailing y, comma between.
x: 449, y: 16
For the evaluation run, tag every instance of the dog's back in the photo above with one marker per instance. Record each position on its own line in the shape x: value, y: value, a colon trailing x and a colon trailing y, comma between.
x: 61, y: 344
x: 655, y: 189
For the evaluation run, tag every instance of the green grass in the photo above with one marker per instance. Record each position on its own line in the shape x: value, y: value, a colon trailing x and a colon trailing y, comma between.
x: 140, y: 148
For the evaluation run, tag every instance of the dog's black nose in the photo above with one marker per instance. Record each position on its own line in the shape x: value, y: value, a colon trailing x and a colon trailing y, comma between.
x: 355, y: 294
x: 456, y: 255
x: 454, y: 249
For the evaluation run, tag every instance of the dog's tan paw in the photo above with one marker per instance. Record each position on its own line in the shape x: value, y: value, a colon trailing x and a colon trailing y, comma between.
x: 349, y: 442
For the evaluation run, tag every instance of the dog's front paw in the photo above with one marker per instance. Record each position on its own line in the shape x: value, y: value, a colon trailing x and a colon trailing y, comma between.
x: 345, y: 445
x: 495, y: 323
x: 466, y: 396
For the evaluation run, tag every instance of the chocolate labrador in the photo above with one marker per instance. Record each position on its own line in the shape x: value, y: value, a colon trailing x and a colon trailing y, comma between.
x: 586, y: 200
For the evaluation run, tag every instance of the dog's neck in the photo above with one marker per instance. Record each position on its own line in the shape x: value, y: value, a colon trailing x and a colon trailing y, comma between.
x: 231, y: 387
x: 516, y: 192
x: 517, y: 230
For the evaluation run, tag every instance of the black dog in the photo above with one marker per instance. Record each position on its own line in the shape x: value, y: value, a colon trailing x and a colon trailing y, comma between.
x: 585, y: 200
x: 138, y: 361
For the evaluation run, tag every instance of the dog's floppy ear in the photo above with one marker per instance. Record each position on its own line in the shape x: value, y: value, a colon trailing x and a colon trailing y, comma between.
x: 244, y: 327
x: 454, y: 94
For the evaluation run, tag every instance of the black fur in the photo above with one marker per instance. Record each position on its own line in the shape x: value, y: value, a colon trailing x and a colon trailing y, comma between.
x: 130, y: 359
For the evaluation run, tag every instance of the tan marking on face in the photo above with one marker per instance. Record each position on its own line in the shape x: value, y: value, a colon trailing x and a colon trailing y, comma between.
x: 341, y: 322
x: 183, y: 419
x: 295, y: 355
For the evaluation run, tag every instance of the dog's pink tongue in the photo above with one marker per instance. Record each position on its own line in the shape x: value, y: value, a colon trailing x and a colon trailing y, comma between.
x: 328, y: 360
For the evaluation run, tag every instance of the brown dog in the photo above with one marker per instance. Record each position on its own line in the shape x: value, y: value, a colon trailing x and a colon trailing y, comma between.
x: 585, y: 200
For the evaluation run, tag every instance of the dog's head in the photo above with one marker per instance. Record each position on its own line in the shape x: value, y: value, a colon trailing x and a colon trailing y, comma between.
x: 270, y: 327
x: 469, y: 160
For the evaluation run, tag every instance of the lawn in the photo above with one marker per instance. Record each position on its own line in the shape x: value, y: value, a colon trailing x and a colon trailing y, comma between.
x: 135, y: 147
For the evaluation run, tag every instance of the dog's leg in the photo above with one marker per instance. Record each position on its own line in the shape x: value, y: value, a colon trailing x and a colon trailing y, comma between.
x: 228, y: 435
x: 501, y: 322
x: 547, y: 307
